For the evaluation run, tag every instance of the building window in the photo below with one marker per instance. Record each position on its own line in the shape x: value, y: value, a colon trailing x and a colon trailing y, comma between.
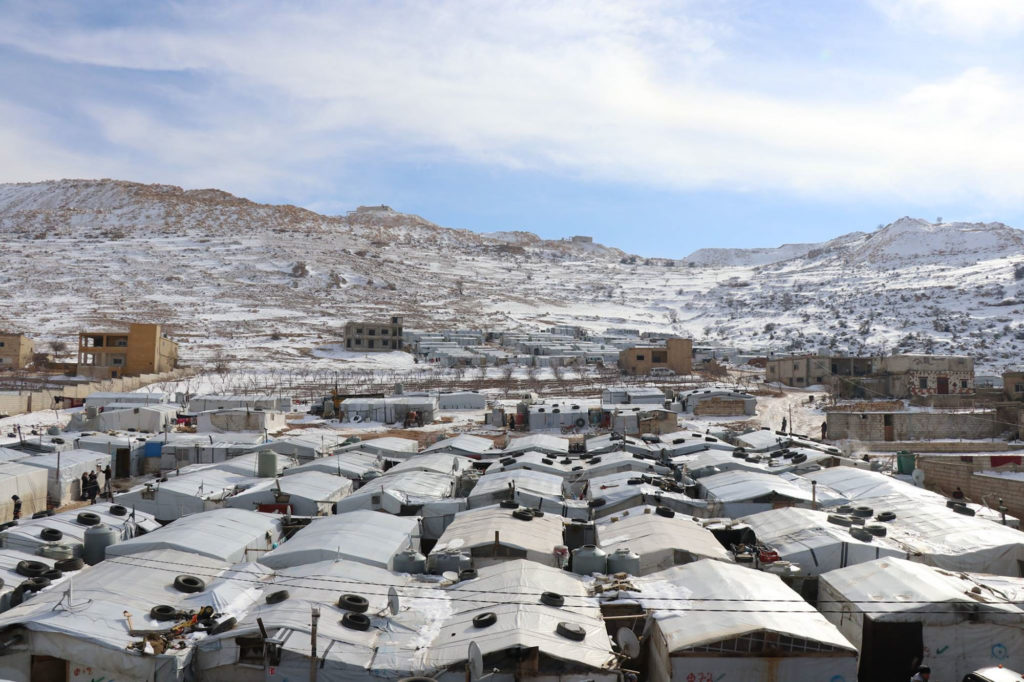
x: 369, y: 343
x: 348, y: 342
x: 817, y: 380
x: 796, y: 366
x: 922, y: 383
x: 384, y: 332
x: 250, y: 649
x: 1018, y: 388
x: 658, y: 356
x: 640, y: 357
x: 1, y: 344
x: 371, y: 332
x: 117, y: 362
x: 963, y: 383
x: 359, y: 342
x: 359, y: 330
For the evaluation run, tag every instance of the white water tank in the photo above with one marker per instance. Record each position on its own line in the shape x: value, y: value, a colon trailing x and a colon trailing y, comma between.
x: 589, y: 559
x: 624, y: 561
x: 266, y: 464
x: 97, y: 539
x: 410, y: 561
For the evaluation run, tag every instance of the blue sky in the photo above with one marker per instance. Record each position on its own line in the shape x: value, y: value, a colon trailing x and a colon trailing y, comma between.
x: 657, y: 127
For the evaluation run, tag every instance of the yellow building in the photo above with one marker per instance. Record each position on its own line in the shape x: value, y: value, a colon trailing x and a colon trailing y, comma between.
x: 15, y: 351
x: 675, y: 355
x: 140, y: 350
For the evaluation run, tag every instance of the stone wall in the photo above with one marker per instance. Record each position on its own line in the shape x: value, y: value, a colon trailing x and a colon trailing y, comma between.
x: 945, y: 474
x: 721, y: 407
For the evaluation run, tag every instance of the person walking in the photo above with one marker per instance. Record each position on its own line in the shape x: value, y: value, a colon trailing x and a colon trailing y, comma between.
x: 17, y: 507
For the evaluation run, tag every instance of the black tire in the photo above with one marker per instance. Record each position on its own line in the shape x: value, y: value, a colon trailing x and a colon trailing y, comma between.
x: 356, y: 621
x: 224, y: 626
x: 40, y: 515
x: 634, y: 481
x: 36, y: 584
x: 163, y: 612
x: 207, y: 624
x: 508, y: 504
x: 189, y: 584
x: 468, y: 574
x: 844, y: 509
x: 552, y: 599
x: 31, y: 569
x: 547, y: 461
x: 53, y: 574
x: 67, y: 565
x: 581, y: 422
x: 599, y: 502
x: 571, y: 631
x: 277, y: 597
x: 799, y: 458
x: 839, y: 520
x: 50, y: 534
x: 965, y: 510
x: 861, y: 534
x: 886, y: 516
x: 523, y: 514
x: 485, y: 620
x: 89, y: 519
x: 863, y: 512
x: 353, y: 603
x: 118, y: 510
x: 877, y: 531
x: 537, y: 513
x: 739, y: 454
x: 662, y: 510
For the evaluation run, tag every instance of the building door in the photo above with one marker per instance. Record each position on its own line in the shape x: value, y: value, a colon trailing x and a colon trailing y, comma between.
x: 887, y: 427
x: 890, y: 651
x: 122, y: 463
x: 48, y: 669
x: 943, y: 388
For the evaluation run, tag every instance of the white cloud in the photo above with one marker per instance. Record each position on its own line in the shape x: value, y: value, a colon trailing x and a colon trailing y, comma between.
x: 964, y: 18
x: 612, y: 91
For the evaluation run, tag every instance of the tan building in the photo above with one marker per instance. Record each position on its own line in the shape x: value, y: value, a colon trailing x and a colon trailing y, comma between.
x: 800, y: 370
x: 676, y: 355
x: 894, y: 376
x: 143, y: 349
x: 373, y: 337
x: 1013, y: 385
x: 920, y: 375
x: 15, y: 351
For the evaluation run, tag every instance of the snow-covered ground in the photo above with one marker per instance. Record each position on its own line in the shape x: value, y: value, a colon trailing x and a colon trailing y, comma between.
x: 248, y: 285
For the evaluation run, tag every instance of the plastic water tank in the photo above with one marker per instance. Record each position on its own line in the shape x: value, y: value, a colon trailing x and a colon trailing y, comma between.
x: 624, y: 561
x: 589, y: 559
x: 97, y: 539
x: 410, y: 561
x: 266, y: 464
x: 55, y: 551
x: 449, y: 560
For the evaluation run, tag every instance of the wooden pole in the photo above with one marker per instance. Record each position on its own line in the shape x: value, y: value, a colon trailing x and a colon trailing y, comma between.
x: 312, y: 653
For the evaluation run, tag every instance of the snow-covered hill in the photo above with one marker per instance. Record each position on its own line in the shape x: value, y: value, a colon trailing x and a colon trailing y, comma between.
x: 256, y: 282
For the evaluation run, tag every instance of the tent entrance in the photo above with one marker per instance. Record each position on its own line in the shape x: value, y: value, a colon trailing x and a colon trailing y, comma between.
x: 48, y: 669
x: 890, y: 651
x: 122, y: 463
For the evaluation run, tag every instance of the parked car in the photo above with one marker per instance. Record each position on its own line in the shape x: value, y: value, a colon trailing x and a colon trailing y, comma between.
x: 994, y: 674
x: 662, y: 372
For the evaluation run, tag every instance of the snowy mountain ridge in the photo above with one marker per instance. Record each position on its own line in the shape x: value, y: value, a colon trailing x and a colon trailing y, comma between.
x: 231, y: 277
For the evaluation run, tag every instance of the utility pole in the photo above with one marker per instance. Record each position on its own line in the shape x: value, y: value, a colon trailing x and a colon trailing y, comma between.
x: 312, y: 651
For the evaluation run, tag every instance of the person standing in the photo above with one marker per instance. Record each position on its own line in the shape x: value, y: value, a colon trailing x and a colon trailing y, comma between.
x: 94, y: 487
x: 784, y: 424
x: 17, y: 507
x: 824, y: 430
x: 108, y: 486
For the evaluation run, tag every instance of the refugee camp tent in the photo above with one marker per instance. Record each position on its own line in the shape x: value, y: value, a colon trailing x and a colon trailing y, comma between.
x: 309, y: 493
x: 660, y: 540
x: 739, y: 493
x: 895, y: 611
x: 461, y: 400
x: 29, y: 483
x: 64, y: 473
x: 175, y: 496
x: 401, y: 493
x: 153, y: 418
x: 240, y: 419
x: 72, y: 524
x: 720, y: 620
x: 355, y: 465
x: 494, y: 535
x: 11, y: 579
x: 368, y: 537
x: 624, y: 490
x: 466, y: 445
x: 436, y: 462
x: 529, y: 488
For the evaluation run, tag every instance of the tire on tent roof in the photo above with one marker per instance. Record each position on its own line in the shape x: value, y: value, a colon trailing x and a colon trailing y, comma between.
x: 30, y: 568
x: 53, y: 574
x: 839, y: 520
x: 118, y: 510
x: 162, y: 612
x: 861, y: 534
x: 571, y: 631
x: 189, y: 584
x: 88, y: 518
x: 886, y: 516
x: 581, y: 422
x: 277, y: 597
x: 356, y: 621
x: 35, y: 584
x: 224, y: 625
x: 50, y: 534
x: 485, y: 620
x: 552, y: 599
x: 353, y: 602
x: 67, y: 565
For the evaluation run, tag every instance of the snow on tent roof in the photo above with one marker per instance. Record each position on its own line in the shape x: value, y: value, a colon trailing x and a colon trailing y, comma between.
x: 524, y: 622
x: 437, y: 462
x: 247, y: 465
x: 541, y: 442
x: 806, y: 537
x: 222, y: 534
x: 464, y: 443
x: 535, y: 461
x: 659, y: 540
x: 353, y: 464
x: 317, y: 486
x: 738, y: 486
x: 93, y: 631
x: 26, y: 533
x: 711, y: 601
x: 525, y: 480
x: 362, y: 535
x: 898, y: 590
x: 761, y: 440
x: 387, y: 444
x: 411, y: 486
x: 477, y: 527
x: 615, y: 490
x: 82, y: 460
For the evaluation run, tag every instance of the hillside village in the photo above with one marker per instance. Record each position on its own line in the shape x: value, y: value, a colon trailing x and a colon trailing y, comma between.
x: 535, y: 503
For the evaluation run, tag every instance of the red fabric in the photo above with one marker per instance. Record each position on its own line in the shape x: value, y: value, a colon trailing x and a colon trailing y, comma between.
x: 1000, y: 460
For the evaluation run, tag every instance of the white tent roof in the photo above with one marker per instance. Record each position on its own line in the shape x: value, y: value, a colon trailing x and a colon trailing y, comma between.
x: 222, y: 534
x: 26, y: 533
x: 710, y: 601
x: 385, y: 445
x: 437, y: 462
x: 365, y: 536
x: 350, y: 464
x: 71, y: 461
x: 541, y: 442
x: 658, y: 539
x: 897, y: 589
x: 476, y: 528
x: 739, y: 486
x: 410, y: 487
x: 316, y: 486
x: 526, y: 481
x: 464, y: 444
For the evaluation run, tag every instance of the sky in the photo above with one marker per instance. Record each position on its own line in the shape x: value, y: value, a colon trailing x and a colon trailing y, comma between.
x: 656, y: 127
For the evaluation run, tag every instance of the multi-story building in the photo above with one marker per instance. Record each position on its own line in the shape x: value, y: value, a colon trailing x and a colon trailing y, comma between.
x: 372, y: 337
x: 143, y: 349
x: 675, y: 355
x: 15, y: 351
x: 893, y: 376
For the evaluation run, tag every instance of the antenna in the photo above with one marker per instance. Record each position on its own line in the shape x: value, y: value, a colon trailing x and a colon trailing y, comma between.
x: 475, y: 661
x: 628, y: 643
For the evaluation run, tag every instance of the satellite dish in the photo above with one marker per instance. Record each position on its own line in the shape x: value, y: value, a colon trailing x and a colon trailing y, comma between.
x: 393, y: 602
x: 628, y: 643
x: 475, y: 660
x: 450, y: 576
x: 918, y: 477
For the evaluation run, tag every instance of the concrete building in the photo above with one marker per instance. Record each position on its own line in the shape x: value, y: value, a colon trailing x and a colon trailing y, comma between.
x: 675, y: 355
x: 899, y: 426
x: 143, y: 349
x: 894, y: 376
x: 15, y: 351
x: 1013, y: 385
x: 920, y: 375
x: 804, y: 370
x: 373, y: 337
